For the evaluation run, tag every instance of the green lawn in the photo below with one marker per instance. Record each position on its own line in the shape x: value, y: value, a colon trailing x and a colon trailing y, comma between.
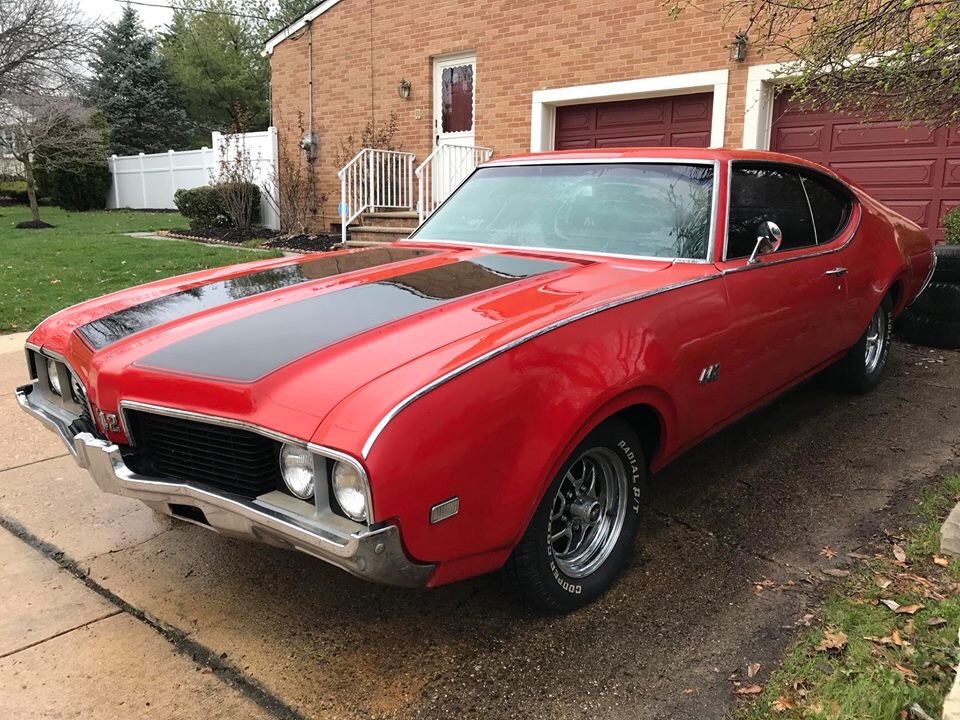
x: 86, y: 255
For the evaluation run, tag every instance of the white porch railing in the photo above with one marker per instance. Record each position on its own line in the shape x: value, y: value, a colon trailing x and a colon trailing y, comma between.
x: 443, y: 171
x: 375, y: 179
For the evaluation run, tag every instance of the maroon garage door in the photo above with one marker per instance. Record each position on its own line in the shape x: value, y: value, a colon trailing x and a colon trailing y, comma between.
x: 914, y: 170
x: 681, y: 120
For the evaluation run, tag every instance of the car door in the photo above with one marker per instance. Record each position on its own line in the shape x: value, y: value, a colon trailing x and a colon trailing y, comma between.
x: 789, y: 307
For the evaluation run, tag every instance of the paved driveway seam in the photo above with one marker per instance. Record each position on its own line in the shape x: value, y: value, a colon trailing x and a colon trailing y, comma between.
x: 61, y: 633
x: 224, y: 670
x: 33, y: 462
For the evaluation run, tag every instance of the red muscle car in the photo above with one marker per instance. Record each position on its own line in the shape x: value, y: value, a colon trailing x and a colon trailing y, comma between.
x: 495, y: 389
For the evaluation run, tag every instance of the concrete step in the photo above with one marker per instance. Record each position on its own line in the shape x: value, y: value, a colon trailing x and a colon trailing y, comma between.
x: 378, y: 234
x: 402, y: 219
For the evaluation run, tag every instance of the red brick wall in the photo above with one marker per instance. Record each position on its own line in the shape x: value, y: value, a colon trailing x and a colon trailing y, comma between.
x: 362, y: 49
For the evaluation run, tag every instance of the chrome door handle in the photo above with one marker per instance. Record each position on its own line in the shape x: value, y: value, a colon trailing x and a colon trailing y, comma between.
x: 836, y: 271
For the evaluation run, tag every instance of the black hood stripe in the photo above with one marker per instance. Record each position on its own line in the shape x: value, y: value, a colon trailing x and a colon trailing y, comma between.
x: 251, y: 347
x: 116, y: 326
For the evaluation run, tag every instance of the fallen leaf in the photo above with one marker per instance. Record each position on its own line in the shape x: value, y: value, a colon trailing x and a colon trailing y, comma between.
x: 753, y: 669
x: 892, y: 604
x: 836, y: 572
x: 689, y: 691
x: 899, y: 553
x: 828, y: 552
x: 833, y: 640
x: 882, y: 582
x: 783, y: 703
x: 748, y: 690
x: 909, y: 609
x: 936, y: 622
x: 941, y: 561
x: 905, y: 671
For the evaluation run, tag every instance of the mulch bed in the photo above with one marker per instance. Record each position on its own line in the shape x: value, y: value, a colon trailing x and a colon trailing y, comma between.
x: 320, y: 242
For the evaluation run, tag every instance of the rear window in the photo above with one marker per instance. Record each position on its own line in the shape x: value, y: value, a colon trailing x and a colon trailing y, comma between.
x: 643, y: 209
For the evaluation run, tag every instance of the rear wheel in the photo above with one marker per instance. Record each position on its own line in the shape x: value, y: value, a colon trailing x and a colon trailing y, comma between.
x: 581, y: 534
x: 861, y: 369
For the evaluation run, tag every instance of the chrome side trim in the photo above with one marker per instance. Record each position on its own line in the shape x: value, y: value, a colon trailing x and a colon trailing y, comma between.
x: 506, y: 162
x: 446, y: 377
x: 930, y: 272
x: 322, y: 450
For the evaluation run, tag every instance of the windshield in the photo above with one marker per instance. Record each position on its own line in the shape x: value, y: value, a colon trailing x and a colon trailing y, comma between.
x: 646, y: 209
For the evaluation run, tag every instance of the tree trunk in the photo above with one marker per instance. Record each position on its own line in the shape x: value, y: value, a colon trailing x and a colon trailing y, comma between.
x: 31, y: 187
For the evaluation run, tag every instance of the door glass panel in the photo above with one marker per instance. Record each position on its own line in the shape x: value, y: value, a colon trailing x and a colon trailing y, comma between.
x: 457, y: 99
x: 758, y: 194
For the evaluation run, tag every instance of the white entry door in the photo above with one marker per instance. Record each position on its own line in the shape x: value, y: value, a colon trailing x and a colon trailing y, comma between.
x: 454, y: 105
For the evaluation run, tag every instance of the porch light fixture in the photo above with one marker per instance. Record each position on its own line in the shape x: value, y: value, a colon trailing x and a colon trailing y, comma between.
x: 738, y: 48
x: 403, y: 89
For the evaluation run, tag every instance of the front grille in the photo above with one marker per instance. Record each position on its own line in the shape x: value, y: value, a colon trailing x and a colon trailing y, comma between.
x: 231, y: 459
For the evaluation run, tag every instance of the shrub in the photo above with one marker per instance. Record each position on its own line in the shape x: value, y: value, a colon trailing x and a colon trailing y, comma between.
x: 207, y: 206
x: 77, y: 188
x: 951, y: 221
x: 14, y: 191
x: 202, y: 206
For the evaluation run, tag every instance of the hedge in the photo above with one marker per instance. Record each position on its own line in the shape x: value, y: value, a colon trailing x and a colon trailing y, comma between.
x: 204, y: 206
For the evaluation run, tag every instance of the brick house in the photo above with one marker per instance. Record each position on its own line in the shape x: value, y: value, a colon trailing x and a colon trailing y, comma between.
x: 515, y: 77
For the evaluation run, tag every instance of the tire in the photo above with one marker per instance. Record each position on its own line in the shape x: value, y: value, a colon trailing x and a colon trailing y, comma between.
x: 861, y: 369
x: 948, y: 263
x: 930, y: 330
x: 593, y: 537
x: 941, y: 299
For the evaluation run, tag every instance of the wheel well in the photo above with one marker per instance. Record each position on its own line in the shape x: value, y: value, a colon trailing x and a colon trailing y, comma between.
x: 896, y: 292
x: 648, y: 425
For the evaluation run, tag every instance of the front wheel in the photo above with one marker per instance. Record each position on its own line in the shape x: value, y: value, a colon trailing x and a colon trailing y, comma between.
x: 581, y: 534
x: 861, y: 369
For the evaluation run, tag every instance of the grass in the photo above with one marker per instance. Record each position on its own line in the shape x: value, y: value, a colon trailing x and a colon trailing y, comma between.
x: 86, y: 255
x: 885, y: 661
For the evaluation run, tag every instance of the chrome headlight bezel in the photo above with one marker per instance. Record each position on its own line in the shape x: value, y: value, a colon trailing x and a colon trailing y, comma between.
x: 350, y: 490
x: 298, y: 470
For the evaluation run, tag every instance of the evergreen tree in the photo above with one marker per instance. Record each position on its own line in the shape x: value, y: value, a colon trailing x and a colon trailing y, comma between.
x: 142, y: 103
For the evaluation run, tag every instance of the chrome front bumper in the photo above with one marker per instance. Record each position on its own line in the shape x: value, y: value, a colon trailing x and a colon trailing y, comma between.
x: 373, y: 554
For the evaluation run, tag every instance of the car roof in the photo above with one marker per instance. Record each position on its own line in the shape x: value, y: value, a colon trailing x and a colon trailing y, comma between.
x: 658, y: 153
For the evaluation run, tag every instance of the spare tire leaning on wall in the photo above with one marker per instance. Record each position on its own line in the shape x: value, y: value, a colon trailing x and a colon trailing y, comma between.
x: 934, y: 318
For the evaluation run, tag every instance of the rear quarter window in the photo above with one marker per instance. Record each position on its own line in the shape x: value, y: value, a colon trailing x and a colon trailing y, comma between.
x: 830, y: 203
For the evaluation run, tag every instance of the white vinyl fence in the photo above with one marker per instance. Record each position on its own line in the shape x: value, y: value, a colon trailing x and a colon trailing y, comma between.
x: 148, y: 182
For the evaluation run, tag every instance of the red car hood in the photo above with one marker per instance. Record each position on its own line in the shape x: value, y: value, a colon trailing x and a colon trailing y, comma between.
x: 280, y: 343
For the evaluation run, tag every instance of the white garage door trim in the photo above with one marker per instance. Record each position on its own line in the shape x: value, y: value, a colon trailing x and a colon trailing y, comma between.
x: 758, y: 113
x: 545, y: 102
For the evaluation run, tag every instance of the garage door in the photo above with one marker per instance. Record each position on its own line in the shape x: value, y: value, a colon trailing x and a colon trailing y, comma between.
x: 914, y: 170
x: 681, y: 120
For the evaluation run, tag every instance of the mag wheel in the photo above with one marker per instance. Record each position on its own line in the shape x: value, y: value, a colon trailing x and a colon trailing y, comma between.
x: 861, y: 369
x: 582, y: 532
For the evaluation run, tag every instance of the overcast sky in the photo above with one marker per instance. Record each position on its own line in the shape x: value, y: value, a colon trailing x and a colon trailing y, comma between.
x: 110, y: 10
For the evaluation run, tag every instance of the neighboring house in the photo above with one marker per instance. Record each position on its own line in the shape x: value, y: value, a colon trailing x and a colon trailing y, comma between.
x: 517, y: 77
x: 9, y: 165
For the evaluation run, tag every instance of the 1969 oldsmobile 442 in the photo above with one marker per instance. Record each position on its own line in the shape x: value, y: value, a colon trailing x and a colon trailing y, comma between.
x: 495, y: 389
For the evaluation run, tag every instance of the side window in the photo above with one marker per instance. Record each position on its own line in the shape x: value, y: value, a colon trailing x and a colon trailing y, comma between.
x: 761, y: 193
x: 831, y: 206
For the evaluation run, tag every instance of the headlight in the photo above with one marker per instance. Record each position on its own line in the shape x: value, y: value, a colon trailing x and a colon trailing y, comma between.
x: 53, y: 375
x: 296, y: 465
x: 350, y: 489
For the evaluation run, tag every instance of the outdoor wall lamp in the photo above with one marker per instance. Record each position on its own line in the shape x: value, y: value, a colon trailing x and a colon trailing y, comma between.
x: 738, y: 48
x: 403, y: 89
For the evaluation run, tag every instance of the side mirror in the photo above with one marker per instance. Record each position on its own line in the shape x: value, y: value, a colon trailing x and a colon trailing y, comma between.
x: 769, y: 238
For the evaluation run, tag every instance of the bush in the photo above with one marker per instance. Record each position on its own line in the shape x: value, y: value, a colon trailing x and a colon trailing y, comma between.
x: 14, y: 191
x: 206, y: 207
x: 76, y: 189
x: 951, y: 221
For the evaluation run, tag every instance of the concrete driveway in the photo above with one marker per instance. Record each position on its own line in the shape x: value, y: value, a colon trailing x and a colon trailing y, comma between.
x: 175, y: 621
